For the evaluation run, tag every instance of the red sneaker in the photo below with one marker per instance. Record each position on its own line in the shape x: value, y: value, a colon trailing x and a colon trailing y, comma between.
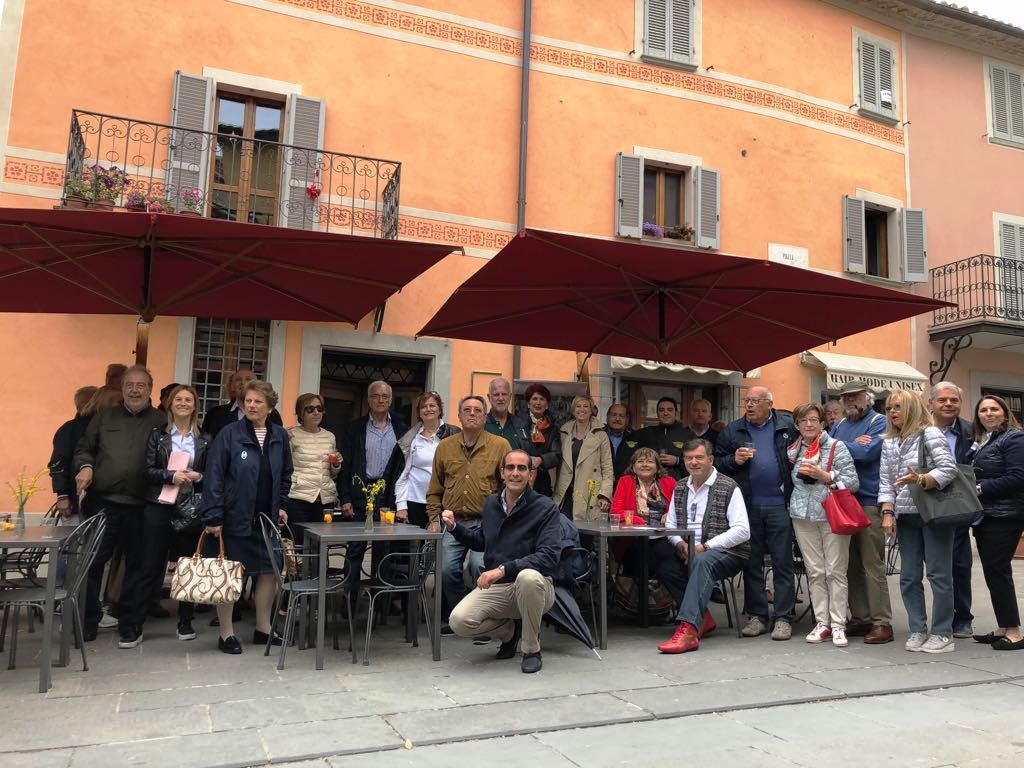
x: 707, y: 626
x: 685, y: 639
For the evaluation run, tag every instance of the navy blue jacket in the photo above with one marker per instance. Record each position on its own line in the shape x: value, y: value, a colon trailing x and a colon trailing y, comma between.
x: 232, y: 474
x: 530, y: 537
x: 999, y: 466
x: 736, y: 434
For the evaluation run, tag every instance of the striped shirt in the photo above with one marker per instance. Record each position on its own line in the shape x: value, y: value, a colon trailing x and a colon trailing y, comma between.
x: 261, y: 435
x: 380, y: 443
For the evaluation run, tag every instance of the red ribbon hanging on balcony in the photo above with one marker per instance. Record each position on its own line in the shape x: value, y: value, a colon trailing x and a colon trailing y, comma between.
x: 314, y: 189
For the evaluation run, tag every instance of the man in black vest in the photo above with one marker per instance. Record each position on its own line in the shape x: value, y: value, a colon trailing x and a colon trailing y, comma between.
x: 712, y: 506
x: 622, y: 438
x: 221, y: 416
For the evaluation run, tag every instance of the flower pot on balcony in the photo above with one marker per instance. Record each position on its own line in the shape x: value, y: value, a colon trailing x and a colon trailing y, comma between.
x: 194, y: 214
x: 75, y: 202
x: 102, y: 205
x: 137, y: 208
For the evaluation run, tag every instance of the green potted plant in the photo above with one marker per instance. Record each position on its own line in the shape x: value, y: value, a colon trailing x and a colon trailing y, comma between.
x: 135, y: 200
x: 95, y: 186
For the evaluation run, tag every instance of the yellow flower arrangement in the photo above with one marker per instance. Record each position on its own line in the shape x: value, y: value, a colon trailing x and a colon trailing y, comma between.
x: 371, y: 492
x: 23, y: 489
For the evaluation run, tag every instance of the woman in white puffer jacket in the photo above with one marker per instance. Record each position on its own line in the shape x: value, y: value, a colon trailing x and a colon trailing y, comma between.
x: 316, y: 460
x: 920, y: 544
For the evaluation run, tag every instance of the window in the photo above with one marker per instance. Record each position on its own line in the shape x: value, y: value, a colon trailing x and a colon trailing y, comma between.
x: 876, y: 89
x: 1010, y: 269
x: 246, y: 165
x: 668, y: 30
x: 677, y: 199
x: 1006, y: 97
x: 885, y: 242
x: 221, y: 347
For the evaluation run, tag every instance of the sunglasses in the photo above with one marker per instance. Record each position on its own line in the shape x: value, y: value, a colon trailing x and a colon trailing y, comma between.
x: 313, y: 409
x: 516, y: 467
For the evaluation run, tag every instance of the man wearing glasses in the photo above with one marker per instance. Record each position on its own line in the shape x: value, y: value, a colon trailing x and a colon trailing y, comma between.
x: 715, y: 511
x: 752, y: 451
x: 520, y: 536
x: 860, y: 430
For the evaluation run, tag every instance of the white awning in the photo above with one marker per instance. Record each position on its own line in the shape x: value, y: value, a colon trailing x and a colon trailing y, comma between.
x: 879, y: 375
x: 620, y: 364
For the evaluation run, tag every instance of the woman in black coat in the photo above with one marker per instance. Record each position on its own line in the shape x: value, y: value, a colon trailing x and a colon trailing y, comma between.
x: 171, y: 528
x: 538, y: 434
x: 999, y: 466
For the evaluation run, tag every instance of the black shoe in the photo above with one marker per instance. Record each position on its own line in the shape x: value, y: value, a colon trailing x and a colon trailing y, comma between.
x: 230, y: 645
x: 532, y: 662
x: 89, y: 634
x: 260, y: 638
x: 447, y: 631
x: 508, y: 648
x: 185, y: 631
x: 717, y: 596
x: 1005, y: 644
x: 129, y: 637
x: 157, y: 611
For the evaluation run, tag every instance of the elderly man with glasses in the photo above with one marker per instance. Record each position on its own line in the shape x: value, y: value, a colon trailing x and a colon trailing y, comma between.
x: 752, y: 451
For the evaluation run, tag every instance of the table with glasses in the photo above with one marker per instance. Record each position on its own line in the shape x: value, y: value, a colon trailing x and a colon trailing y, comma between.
x: 603, y: 531
x: 48, y: 538
x: 325, y: 535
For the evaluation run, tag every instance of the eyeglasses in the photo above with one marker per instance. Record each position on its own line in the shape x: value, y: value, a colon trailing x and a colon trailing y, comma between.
x: 313, y: 409
x: 812, y: 420
x: 516, y: 467
x: 892, y: 408
x: 753, y: 400
x: 380, y: 397
x: 693, y: 512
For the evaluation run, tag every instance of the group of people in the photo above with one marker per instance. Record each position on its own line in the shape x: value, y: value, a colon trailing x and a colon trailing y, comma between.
x: 502, y: 486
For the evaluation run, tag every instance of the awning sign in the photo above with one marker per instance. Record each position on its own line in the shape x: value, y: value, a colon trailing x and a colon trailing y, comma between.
x: 836, y: 380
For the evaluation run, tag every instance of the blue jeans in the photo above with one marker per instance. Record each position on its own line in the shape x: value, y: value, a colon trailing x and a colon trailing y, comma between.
x: 771, y: 534
x: 708, y: 567
x: 922, y: 545
x: 962, y: 562
x: 455, y: 554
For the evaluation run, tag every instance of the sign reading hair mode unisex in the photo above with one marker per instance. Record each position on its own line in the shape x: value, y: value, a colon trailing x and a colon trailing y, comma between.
x: 880, y: 375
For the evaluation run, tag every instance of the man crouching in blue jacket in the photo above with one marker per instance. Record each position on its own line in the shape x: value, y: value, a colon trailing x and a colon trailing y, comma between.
x: 520, y: 537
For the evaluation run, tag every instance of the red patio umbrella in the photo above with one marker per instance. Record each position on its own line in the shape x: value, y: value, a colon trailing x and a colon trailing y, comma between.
x: 149, y: 264
x: 660, y: 302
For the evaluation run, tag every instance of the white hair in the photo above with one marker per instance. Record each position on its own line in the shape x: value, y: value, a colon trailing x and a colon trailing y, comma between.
x: 946, y: 385
x: 377, y: 384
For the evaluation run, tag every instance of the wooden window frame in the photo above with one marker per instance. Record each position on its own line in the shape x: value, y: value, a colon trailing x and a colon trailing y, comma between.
x: 659, y: 192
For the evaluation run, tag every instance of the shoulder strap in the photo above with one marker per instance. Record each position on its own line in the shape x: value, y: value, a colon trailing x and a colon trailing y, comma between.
x: 921, y: 452
x: 831, y: 455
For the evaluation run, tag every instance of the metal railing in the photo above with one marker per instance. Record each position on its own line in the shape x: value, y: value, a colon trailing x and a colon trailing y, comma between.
x: 227, y: 176
x: 984, y: 289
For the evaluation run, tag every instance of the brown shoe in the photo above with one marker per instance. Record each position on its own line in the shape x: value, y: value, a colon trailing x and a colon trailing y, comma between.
x: 856, y: 628
x: 879, y: 634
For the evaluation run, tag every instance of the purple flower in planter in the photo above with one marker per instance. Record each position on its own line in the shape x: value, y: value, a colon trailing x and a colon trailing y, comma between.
x: 653, y: 229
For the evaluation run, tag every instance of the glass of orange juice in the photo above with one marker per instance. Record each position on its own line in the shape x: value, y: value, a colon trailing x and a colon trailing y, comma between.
x: 387, y: 516
x: 627, y: 517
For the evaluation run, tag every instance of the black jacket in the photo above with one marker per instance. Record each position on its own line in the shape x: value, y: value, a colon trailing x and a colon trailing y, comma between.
x: 671, y: 438
x: 231, y: 480
x: 735, y: 434
x: 158, y: 453
x: 999, y: 467
x: 61, y: 466
x: 622, y: 455
x: 530, y: 537
x: 114, y: 445
x: 353, y: 450
x: 964, y: 440
x: 221, y: 416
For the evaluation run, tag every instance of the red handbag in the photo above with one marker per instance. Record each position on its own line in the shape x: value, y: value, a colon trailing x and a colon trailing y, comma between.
x: 845, y: 514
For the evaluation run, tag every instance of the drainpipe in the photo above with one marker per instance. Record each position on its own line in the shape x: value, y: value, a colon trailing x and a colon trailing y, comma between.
x: 524, y: 131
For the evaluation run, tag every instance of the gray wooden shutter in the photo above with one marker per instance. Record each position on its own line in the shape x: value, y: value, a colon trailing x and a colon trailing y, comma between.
x: 1015, y: 103
x: 854, y: 249
x: 629, y: 190
x: 656, y: 35
x: 681, y: 30
x: 707, y: 207
x: 188, y: 155
x: 886, y: 92
x: 304, y: 134
x: 668, y: 29
x: 868, y: 75
x: 1007, y: 104
x: 1011, y: 240
x: 913, y: 227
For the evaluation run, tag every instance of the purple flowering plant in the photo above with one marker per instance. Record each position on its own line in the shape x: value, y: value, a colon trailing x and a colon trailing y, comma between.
x: 652, y: 229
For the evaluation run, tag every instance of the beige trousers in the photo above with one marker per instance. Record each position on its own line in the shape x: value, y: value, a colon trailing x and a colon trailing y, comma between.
x: 493, y: 611
x: 826, y: 556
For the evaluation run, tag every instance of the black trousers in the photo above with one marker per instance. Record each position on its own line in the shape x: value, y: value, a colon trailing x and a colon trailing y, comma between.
x: 997, y: 539
x: 124, y: 531
x: 300, y: 511
x: 664, y: 563
x: 143, y: 579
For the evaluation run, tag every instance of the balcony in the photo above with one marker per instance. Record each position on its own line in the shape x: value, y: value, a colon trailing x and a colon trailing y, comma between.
x: 225, y: 176
x: 989, y: 295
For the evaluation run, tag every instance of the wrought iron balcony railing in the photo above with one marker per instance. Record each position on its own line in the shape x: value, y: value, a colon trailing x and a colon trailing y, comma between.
x: 985, y: 289
x: 226, y: 176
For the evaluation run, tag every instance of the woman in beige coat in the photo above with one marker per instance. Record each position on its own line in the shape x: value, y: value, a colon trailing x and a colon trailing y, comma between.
x: 585, y: 475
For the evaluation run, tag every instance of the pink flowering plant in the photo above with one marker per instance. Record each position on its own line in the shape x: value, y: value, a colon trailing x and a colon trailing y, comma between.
x: 97, y: 183
x: 137, y: 201
x: 192, y: 198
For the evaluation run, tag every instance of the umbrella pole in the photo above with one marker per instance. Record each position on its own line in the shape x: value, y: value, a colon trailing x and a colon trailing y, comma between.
x: 141, y: 342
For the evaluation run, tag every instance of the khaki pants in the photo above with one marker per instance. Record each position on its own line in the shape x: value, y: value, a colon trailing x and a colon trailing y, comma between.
x: 493, y: 611
x: 869, y: 591
x: 825, y: 558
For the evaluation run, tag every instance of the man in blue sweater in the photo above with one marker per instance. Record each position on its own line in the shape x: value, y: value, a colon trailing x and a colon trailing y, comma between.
x: 861, y: 431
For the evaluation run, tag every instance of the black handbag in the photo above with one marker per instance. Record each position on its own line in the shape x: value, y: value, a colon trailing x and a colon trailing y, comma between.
x: 955, y: 505
x: 186, y: 512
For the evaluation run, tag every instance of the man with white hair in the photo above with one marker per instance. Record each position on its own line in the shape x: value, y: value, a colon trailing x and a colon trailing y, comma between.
x: 499, y: 418
x: 945, y: 402
x: 861, y: 430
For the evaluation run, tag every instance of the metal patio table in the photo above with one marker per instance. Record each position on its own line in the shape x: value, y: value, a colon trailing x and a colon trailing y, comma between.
x: 50, y: 538
x: 329, y: 534
x: 603, y: 531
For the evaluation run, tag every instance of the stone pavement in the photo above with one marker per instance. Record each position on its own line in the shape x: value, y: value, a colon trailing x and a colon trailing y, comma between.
x: 749, y: 702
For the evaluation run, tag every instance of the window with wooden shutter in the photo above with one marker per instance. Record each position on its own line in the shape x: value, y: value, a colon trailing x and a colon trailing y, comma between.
x: 1006, y: 93
x: 668, y: 30
x: 913, y: 227
x: 854, y: 251
x: 1010, y: 269
x: 876, y: 79
x: 188, y: 160
x: 707, y: 201
x: 300, y: 167
x: 629, y: 185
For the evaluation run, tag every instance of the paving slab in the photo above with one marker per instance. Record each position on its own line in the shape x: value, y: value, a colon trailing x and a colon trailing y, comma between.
x: 898, y: 678
x: 48, y: 758
x: 998, y: 662
x: 991, y: 698
x: 511, y: 751
x: 210, y: 750
x: 509, y: 718
x: 514, y: 685
x: 329, y: 737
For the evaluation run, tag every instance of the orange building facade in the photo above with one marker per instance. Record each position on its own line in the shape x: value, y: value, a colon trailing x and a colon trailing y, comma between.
x: 775, y: 130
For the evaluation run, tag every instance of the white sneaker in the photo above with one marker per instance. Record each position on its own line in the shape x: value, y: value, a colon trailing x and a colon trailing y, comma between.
x: 107, y: 622
x: 819, y: 634
x: 839, y: 637
x: 938, y: 644
x: 915, y: 642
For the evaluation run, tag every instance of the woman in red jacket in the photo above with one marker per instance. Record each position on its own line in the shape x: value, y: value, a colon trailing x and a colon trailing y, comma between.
x: 645, y: 490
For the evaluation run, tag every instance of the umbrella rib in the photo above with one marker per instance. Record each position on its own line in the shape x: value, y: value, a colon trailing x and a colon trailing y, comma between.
x: 612, y: 326
x: 740, y: 309
x: 34, y: 265
x: 215, y: 268
x: 732, y: 360
x: 592, y: 257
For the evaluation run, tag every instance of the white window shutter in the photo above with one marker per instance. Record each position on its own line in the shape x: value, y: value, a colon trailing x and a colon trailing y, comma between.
x: 681, y: 30
x: 1015, y: 104
x: 707, y: 207
x: 1011, y: 241
x: 886, y: 92
x: 914, y: 231
x: 304, y: 131
x: 656, y: 28
x: 868, y: 75
x: 629, y: 200
x: 188, y: 157
x: 1000, y: 103
x: 854, y: 248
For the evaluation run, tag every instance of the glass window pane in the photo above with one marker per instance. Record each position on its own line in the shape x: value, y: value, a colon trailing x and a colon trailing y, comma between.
x: 224, y: 205
x: 673, y: 197
x: 261, y: 209
x: 268, y: 123
x: 230, y: 116
x: 265, y: 171
x: 227, y: 165
x: 650, y: 196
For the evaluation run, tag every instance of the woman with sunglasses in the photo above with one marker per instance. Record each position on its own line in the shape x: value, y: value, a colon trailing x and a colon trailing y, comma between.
x: 317, y: 462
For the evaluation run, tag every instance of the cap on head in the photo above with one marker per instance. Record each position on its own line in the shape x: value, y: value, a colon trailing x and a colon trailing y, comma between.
x: 853, y: 387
